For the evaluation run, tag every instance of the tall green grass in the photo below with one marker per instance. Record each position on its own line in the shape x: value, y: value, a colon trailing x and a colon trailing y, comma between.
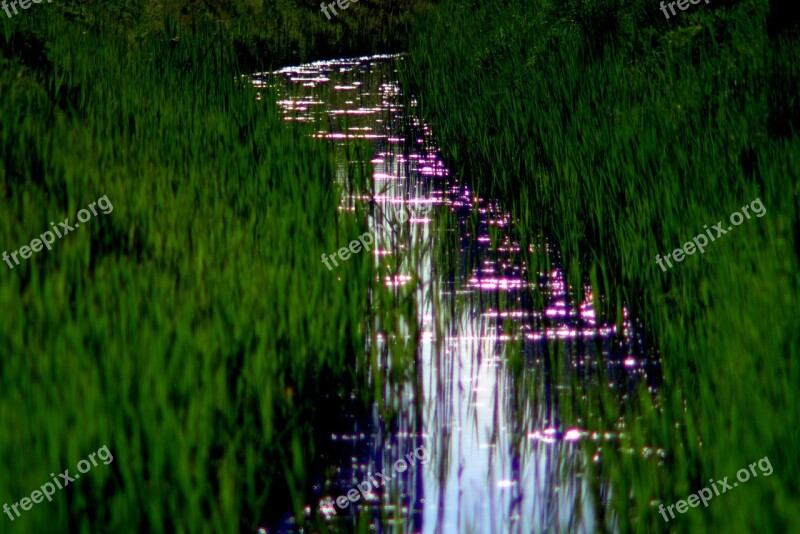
x: 621, y: 134
x: 191, y: 329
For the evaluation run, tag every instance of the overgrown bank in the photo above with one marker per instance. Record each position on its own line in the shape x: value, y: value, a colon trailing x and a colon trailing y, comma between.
x: 193, y: 330
x: 262, y: 33
x: 621, y: 133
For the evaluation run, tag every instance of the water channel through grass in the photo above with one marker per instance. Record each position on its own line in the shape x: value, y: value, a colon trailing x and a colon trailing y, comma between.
x: 473, y: 427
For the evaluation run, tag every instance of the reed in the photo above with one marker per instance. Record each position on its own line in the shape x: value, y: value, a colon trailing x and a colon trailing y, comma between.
x: 618, y: 133
x: 193, y: 330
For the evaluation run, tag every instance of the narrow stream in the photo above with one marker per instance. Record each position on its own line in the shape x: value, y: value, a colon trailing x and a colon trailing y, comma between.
x: 498, y: 356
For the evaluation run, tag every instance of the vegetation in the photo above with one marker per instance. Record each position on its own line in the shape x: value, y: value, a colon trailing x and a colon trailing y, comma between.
x: 263, y: 33
x: 621, y: 134
x: 193, y: 330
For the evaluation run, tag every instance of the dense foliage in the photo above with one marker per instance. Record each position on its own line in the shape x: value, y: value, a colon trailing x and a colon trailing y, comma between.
x: 620, y: 134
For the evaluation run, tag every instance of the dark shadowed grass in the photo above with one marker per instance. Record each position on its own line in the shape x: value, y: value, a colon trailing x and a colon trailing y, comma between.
x: 262, y: 33
x: 621, y: 134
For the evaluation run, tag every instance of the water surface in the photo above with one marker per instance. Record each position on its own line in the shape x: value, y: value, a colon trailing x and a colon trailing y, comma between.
x: 501, y: 346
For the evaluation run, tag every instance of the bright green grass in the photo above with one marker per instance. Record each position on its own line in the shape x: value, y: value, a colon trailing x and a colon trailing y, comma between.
x: 621, y: 134
x: 190, y: 329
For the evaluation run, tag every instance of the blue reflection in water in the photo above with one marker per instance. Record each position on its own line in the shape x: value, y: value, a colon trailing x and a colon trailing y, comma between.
x: 500, y: 356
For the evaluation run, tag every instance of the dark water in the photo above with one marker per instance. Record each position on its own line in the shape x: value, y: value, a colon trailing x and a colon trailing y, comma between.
x: 499, y: 358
